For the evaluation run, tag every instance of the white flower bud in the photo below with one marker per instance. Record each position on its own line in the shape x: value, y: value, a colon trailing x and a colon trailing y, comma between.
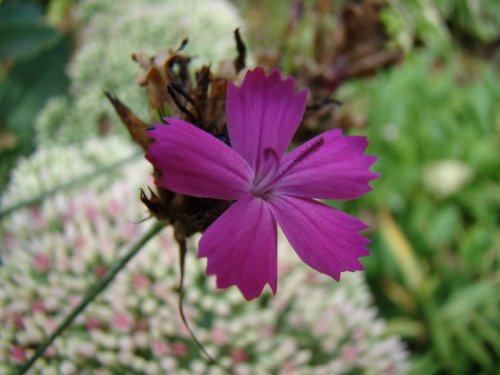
x: 67, y: 368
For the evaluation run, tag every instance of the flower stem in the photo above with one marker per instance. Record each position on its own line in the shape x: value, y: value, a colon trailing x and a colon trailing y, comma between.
x: 92, y: 293
x: 182, y: 262
x: 67, y: 185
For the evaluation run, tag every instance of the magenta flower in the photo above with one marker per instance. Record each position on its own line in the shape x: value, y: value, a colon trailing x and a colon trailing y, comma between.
x: 267, y: 185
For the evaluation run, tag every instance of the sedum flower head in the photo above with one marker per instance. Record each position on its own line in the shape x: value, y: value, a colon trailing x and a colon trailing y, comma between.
x: 49, y: 167
x: 268, y: 187
x: 111, y: 32
x: 53, y: 252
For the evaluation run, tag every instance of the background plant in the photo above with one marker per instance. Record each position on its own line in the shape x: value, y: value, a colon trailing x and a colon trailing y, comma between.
x: 34, y: 52
x: 435, y: 258
x: 53, y: 252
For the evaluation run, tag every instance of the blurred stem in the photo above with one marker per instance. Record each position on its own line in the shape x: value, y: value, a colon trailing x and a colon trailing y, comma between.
x: 182, y: 261
x: 92, y: 294
x: 67, y: 185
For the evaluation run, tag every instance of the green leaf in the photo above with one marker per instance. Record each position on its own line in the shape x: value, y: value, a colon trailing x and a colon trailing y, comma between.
x: 440, y: 335
x: 473, y: 346
x: 29, y: 84
x: 488, y: 331
x: 20, y: 30
x: 21, y: 39
x: 25, y: 12
x: 445, y: 226
x: 425, y: 364
x: 465, y: 301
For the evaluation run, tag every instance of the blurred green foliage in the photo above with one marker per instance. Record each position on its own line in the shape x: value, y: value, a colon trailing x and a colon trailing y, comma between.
x: 108, y: 33
x: 289, y: 25
x: 434, y: 123
x: 33, y: 56
x: 436, y: 24
x: 435, y: 126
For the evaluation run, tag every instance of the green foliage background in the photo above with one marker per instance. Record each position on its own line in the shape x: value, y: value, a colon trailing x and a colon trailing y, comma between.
x: 443, y: 293
x: 33, y: 58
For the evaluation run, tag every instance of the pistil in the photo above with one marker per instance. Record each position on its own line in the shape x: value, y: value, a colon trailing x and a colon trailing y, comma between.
x: 268, y: 184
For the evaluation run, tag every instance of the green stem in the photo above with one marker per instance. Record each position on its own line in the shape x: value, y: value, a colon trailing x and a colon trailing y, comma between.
x: 67, y: 185
x: 93, y: 293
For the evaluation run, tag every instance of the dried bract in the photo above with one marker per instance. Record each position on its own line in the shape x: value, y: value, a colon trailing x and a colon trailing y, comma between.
x: 171, y: 92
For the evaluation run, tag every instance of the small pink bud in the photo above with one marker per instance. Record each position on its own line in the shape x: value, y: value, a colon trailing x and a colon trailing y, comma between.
x: 160, y: 290
x: 283, y: 269
x: 91, y: 213
x: 93, y: 323
x: 79, y: 242
x: 50, y: 352
x: 159, y: 348
x: 140, y: 280
x: 100, y: 270
x: 321, y: 326
x: 267, y: 330
x: 141, y: 325
x: 311, y: 277
x: 9, y: 240
x: 179, y: 349
x: 74, y: 300
x: 50, y: 326
x: 38, y: 306
x: 122, y: 322
x: 114, y: 208
x: 42, y: 262
x: 17, y: 353
x: 390, y: 370
x: 70, y: 212
x: 18, y: 320
x: 127, y: 231
x: 239, y: 355
x: 219, y: 335
x: 288, y: 367
x: 350, y: 353
x: 37, y: 216
x: 62, y: 262
x: 360, y: 334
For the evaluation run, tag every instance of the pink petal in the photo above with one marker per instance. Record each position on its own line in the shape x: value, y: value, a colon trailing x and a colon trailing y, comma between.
x: 263, y: 113
x: 337, y: 170
x: 241, y: 247
x: 324, y: 238
x: 195, y: 163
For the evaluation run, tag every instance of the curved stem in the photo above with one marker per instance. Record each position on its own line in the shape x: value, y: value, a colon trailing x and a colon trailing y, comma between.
x: 182, y: 260
x: 92, y: 293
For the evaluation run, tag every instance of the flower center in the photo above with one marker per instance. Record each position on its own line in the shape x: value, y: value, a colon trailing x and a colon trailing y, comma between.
x: 267, y: 183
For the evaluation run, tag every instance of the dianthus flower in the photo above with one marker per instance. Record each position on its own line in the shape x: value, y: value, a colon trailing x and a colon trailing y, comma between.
x: 268, y: 187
